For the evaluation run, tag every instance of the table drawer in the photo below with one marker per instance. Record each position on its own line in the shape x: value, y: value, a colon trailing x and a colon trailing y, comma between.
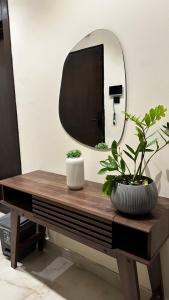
x: 73, y: 221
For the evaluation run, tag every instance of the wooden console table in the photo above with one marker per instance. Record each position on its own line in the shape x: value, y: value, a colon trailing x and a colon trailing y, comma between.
x: 88, y: 217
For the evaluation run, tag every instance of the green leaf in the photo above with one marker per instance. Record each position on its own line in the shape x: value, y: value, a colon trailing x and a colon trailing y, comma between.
x: 113, y: 164
x: 114, y: 150
x: 102, y: 171
x: 149, y: 150
x: 147, y: 119
x: 104, y: 163
x: 152, y: 114
x: 130, y: 149
x: 137, y: 151
x: 111, y: 177
x: 107, y: 187
x: 109, y: 166
x: 164, y: 132
x: 140, y: 134
x: 157, y: 145
x: 160, y: 111
x: 111, y: 160
x: 123, y: 165
x: 129, y: 155
x: 135, y: 119
x: 143, y: 146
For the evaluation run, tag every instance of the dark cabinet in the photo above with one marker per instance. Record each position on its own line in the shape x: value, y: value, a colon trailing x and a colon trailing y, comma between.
x: 10, y: 163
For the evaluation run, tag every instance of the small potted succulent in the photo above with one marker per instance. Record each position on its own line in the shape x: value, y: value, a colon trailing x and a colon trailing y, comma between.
x: 102, y: 147
x: 131, y: 191
x: 75, y: 170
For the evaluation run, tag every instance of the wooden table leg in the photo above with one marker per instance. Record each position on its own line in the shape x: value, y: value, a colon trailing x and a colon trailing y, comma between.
x: 128, y: 277
x: 15, y: 223
x: 156, y: 280
x: 41, y: 241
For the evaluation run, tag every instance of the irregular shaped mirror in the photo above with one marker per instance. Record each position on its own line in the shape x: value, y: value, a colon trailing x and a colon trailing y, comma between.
x: 93, y: 90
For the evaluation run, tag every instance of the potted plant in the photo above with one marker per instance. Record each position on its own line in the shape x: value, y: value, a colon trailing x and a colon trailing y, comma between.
x: 131, y: 191
x: 75, y: 170
x: 102, y: 146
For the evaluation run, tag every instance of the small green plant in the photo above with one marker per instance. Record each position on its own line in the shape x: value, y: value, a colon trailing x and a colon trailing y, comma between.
x: 73, y: 154
x: 102, y: 146
x: 148, y: 146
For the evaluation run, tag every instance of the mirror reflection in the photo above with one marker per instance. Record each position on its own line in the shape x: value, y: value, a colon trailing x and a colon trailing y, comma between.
x: 93, y: 90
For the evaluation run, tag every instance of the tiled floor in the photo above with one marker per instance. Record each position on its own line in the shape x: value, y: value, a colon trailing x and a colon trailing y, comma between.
x: 47, y: 276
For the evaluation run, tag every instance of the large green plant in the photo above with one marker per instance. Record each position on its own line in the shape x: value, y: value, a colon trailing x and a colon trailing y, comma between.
x: 148, y: 145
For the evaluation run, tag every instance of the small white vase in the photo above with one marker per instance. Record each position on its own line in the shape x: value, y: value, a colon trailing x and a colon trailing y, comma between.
x: 75, y: 173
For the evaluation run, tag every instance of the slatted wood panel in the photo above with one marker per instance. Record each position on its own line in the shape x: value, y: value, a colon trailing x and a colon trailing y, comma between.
x: 86, y: 226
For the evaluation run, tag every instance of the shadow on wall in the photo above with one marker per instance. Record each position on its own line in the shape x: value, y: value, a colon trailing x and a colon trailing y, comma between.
x: 157, y: 179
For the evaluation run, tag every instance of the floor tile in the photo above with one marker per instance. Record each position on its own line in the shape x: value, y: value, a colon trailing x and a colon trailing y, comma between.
x: 49, y: 276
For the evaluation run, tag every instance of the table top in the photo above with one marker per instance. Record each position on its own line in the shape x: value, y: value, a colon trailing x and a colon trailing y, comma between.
x: 53, y: 187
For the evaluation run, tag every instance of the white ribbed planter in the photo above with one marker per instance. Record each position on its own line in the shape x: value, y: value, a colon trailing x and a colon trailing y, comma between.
x: 75, y: 173
x: 135, y: 200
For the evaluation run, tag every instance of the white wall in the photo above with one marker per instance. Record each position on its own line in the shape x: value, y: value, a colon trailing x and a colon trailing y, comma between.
x: 43, y: 32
